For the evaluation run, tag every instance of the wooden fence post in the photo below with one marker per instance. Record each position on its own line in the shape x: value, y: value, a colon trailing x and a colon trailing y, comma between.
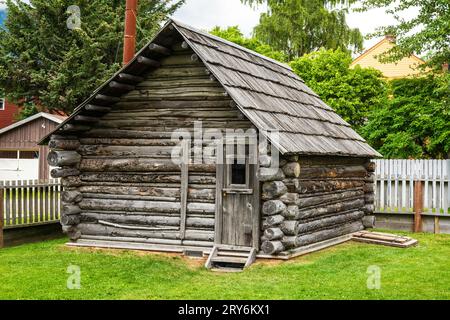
x: 1, y: 217
x: 418, y: 205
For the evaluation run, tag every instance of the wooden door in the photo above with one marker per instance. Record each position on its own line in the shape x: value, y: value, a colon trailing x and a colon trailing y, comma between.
x: 239, y: 218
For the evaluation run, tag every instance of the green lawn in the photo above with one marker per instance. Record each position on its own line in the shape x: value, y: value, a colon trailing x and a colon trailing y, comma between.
x: 38, y: 271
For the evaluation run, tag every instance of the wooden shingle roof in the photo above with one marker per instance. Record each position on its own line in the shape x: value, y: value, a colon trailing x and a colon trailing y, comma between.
x: 270, y: 95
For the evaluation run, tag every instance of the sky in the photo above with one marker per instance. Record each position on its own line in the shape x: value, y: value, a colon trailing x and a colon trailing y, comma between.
x: 206, y: 14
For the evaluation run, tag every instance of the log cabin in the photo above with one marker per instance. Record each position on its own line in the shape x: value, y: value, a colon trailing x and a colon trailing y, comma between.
x: 150, y: 160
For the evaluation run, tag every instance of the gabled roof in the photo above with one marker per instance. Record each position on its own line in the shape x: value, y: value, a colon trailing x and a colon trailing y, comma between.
x: 51, y: 117
x: 267, y: 92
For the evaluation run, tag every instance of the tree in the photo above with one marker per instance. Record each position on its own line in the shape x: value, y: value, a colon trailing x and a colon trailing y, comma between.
x: 297, y: 27
x: 352, y: 93
x: 427, y: 33
x: 44, y: 62
x: 415, y: 122
x: 235, y: 35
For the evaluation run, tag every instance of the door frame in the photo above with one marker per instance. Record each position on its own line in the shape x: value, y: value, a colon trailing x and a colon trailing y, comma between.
x: 221, y: 188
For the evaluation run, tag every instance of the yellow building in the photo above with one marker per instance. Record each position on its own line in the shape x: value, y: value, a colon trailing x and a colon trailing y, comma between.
x: 393, y: 70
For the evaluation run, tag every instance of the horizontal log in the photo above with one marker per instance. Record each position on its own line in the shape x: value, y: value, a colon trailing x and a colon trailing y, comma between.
x: 305, y: 187
x: 273, y: 207
x: 333, y: 172
x: 155, y: 241
x: 273, y: 189
x: 270, y: 174
x: 293, y: 228
x: 311, y: 213
x: 265, y: 161
x: 272, y: 221
x: 145, y: 206
x: 147, y: 220
x: 75, y: 128
x: 64, y: 172
x: 204, y: 194
x: 70, y: 220
x: 369, y: 209
x: 153, y: 47
x: 129, y: 142
x: 87, y: 119
x: 371, y: 166
x: 125, y: 177
x: 129, y: 78
x: 290, y: 198
x: 139, y: 165
x: 369, y: 222
x: 107, y: 99
x: 120, y: 86
x: 72, y: 232
x: 126, y: 151
x: 70, y: 209
x: 292, y: 241
x: 369, y: 188
x: 272, y: 247
x: 71, y: 182
x: 71, y: 196
x: 63, y: 158
x: 318, y: 200
x: 103, y: 230
x: 95, y: 108
x: 291, y: 169
x: 147, y: 62
x: 64, y: 144
x: 273, y: 234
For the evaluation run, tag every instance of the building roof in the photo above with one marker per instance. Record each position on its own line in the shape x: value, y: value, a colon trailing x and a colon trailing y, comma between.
x: 52, y: 117
x: 266, y: 91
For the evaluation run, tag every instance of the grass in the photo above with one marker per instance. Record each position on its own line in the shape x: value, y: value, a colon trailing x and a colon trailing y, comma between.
x: 39, y: 271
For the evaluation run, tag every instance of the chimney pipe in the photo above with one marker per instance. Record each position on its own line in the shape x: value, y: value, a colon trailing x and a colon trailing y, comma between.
x: 129, y: 40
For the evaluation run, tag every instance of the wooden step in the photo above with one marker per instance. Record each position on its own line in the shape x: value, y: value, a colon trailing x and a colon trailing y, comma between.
x: 233, y: 254
x: 229, y: 260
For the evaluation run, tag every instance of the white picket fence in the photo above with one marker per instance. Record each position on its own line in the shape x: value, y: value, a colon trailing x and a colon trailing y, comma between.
x: 394, y: 185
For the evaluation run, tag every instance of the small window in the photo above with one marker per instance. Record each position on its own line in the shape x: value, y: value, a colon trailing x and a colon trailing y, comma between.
x: 238, y: 173
x: 2, y: 104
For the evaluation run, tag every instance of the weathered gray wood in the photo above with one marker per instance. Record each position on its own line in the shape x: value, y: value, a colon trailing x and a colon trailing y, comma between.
x: 64, y: 144
x: 120, y: 86
x: 70, y: 209
x: 317, y: 200
x: 184, y: 186
x: 272, y: 221
x: 294, y: 227
x: 104, y: 230
x: 273, y: 189
x: 129, y: 78
x: 153, y: 47
x: 292, y: 169
x: 270, y: 174
x: 147, y: 62
x: 72, y: 232
x: 273, y: 207
x: 63, y: 158
x: 272, y: 247
x: 273, y: 234
x: 305, y: 187
x: 107, y: 99
x: 75, y: 128
x: 71, y: 196
x: 87, y: 119
x: 95, y: 108
x: 290, y: 198
x: 369, y: 222
x: 148, y: 220
x: 70, y: 220
x: 292, y: 241
x: 64, y: 172
x: 328, y: 209
x: 333, y: 172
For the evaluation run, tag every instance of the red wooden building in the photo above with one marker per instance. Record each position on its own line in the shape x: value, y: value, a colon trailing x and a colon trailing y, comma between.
x: 8, y: 113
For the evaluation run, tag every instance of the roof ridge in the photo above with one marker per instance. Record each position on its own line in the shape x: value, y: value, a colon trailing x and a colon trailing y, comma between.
x: 232, y: 44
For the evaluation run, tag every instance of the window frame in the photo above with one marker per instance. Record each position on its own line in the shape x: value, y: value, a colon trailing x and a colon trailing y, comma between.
x: 2, y: 104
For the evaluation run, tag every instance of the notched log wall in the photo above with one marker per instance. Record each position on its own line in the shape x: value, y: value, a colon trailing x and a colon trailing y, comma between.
x: 120, y: 181
x: 313, y: 199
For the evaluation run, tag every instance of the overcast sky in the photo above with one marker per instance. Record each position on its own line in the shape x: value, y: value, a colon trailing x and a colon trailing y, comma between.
x: 205, y: 14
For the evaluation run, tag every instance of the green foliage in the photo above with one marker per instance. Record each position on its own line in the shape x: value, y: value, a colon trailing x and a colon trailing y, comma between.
x: 427, y: 33
x: 352, y: 93
x: 297, y: 27
x: 44, y: 62
x: 235, y: 35
x: 416, y: 121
